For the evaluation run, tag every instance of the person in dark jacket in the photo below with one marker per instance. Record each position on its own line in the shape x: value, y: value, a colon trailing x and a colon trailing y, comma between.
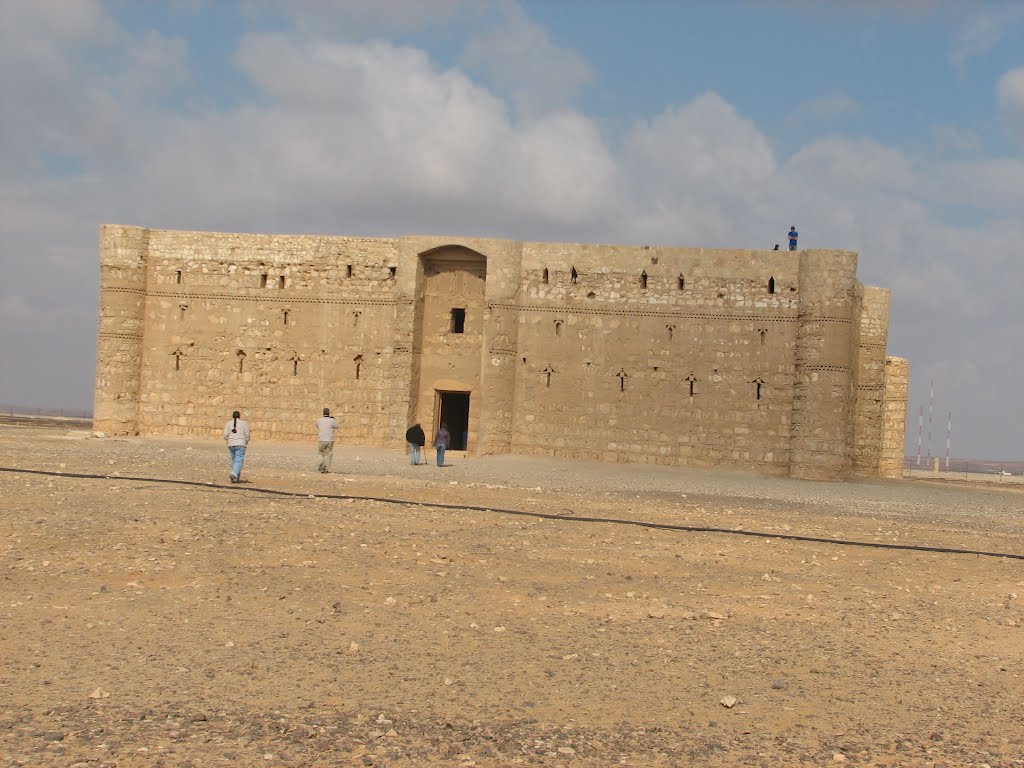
x: 416, y: 439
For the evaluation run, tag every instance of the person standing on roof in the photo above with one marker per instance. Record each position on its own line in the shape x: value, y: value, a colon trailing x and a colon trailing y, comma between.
x: 793, y: 235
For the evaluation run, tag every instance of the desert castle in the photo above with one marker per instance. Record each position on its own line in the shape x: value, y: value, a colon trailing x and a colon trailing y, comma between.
x: 769, y: 360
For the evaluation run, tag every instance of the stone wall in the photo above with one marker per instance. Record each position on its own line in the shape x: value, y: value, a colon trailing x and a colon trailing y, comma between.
x: 894, y: 417
x: 771, y: 360
x: 869, y: 360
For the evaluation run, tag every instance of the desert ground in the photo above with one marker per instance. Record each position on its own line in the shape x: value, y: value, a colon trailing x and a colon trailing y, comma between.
x: 501, y: 611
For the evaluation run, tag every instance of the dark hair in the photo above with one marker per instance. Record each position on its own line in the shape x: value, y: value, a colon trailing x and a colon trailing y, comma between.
x: 327, y: 411
x: 236, y: 415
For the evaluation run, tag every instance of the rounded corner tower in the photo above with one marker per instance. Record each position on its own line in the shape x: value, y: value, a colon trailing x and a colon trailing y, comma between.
x: 119, y: 353
x: 823, y: 383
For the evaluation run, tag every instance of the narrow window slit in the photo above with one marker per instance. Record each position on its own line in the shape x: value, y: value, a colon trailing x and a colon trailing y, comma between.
x: 348, y: 270
x: 573, y: 276
x: 393, y: 272
x: 771, y: 285
x: 681, y: 283
x: 544, y: 277
x: 280, y: 281
x: 458, y: 323
x: 643, y: 279
x: 263, y: 280
x: 358, y: 359
x: 177, y: 277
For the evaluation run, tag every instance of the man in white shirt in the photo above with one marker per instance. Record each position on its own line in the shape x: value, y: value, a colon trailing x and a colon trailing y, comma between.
x: 326, y: 426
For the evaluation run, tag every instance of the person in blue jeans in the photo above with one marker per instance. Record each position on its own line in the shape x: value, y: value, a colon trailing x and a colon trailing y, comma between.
x: 236, y: 434
x: 415, y: 437
x: 793, y: 235
x: 441, y: 441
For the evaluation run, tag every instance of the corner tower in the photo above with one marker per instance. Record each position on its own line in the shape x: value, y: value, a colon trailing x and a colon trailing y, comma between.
x: 823, y: 381
x: 123, y: 252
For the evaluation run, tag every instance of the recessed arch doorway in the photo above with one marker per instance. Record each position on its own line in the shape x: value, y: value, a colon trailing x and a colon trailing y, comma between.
x: 453, y: 410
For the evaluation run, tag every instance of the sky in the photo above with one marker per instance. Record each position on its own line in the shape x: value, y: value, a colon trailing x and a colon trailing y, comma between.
x: 895, y: 129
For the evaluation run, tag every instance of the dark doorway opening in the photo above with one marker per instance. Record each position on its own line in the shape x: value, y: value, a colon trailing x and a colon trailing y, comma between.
x: 455, y: 413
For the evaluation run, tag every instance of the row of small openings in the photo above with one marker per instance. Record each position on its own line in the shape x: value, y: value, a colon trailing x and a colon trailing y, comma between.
x: 392, y: 273
x: 691, y: 380
x: 265, y: 276
x: 680, y: 281
x: 182, y: 308
x: 356, y: 314
x: 295, y: 359
x: 671, y: 329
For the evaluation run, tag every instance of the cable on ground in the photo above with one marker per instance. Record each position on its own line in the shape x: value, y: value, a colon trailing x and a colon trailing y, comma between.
x: 525, y: 513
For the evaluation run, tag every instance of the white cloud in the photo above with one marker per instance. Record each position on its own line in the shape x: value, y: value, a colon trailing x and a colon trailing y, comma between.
x: 519, y: 59
x: 358, y: 19
x: 949, y: 138
x: 376, y: 138
x: 984, y: 31
x: 827, y: 108
x: 1010, y: 95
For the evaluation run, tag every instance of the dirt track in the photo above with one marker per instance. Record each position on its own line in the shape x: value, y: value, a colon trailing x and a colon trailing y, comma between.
x: 161, y: 624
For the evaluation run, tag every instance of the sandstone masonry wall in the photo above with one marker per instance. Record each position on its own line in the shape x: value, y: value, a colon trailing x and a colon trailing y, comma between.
x: 894, y: 417
x: 771, y: 360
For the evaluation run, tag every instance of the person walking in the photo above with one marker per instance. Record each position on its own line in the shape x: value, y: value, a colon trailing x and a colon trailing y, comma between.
x: 326, y: 426
x: 441, y: 441
x: 416, y: 439
x: 793, y: 235
x: 236, y: 434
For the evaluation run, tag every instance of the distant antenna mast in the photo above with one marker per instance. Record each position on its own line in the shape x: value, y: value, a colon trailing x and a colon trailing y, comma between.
x: 931, y: 407
x: 949, y: 435
x: 920, y: 430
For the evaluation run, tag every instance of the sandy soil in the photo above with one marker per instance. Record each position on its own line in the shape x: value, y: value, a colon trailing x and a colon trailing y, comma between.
x: 388, y: 615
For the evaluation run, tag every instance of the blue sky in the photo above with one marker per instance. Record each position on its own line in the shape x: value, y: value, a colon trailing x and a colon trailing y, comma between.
x: 895, y: 129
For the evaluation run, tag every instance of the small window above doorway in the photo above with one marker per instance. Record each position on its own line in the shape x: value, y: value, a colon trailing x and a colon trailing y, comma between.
x: 458, y: 323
